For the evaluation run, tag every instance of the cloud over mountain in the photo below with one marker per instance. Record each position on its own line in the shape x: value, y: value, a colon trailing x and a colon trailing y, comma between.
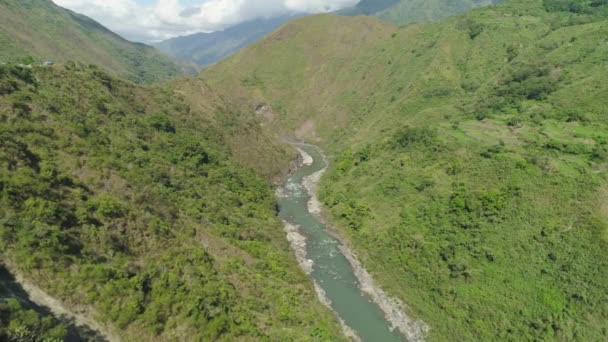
x: 153, y: 20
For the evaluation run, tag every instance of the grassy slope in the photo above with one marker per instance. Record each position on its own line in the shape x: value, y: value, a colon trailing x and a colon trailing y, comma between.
x: 414, y: 11
x: 40, y: 29
x: 469, y: 158
x: 424, y: 11
x: 242, y: 132
x: 129, y: 201
x: 309, y: 58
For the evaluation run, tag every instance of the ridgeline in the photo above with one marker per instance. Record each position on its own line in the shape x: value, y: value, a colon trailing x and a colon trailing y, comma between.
x: 469, y: 157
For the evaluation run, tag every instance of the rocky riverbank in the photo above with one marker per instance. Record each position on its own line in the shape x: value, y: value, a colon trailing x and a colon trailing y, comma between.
x: 394, y: 310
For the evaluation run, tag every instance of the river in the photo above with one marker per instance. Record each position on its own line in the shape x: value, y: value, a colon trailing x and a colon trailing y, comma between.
x: 333, y: 269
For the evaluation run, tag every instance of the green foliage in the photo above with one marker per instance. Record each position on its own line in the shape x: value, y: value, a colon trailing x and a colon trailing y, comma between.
x: 532, y: 82
x: 19, y: 324
x: 468, y: 196
x: 352, y: 213
x: 108, y: 207
x: 128, y: 200
x: 522, y: 82
x: 412, y: 136
x: 35, y: 31
x: 414, y: 11
x: 161, y: 122
x: 577, y: 6
x: 473, y: 28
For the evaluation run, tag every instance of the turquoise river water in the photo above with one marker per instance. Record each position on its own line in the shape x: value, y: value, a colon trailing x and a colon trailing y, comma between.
x: 331, y: 270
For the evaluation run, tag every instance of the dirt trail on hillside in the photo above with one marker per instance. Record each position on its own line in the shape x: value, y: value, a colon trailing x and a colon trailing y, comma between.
x: 81, y: 319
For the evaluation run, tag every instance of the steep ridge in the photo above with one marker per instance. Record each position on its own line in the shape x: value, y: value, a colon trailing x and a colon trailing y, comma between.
x: 242, y: 130
x: 39, y: 30
x: 469, y: 157
x: 310, y: 58
x: 130, y: 204
x: 205, y: 49
x: 208, y: 48
x: 414, y: 11
x: 368, y: 7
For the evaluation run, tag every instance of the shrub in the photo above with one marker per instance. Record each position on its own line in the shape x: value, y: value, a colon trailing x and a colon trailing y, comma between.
x: 23, y: 74
x: 530, y: 81
x: 21, y: 109
x: 576, y: 6
x: 514, y: 122
x: 492, y: 151
x: 19, y: 324
x: 424, y: 184
x: 455, y: 168
x: 438, y: 92
x: 109, y: 207
x: 40, y: 210
x: 161, y: 122
x: 474, y: 29
x: 411, y: 136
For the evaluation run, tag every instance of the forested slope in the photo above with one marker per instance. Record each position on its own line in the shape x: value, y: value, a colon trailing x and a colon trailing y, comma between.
x: 469, y: 157
x: 34, y: 31
x: 129, y: 202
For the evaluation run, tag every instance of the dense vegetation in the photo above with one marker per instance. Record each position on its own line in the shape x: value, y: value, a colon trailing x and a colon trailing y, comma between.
x: 129, y: 201
x: 34, y: 31
x: 469, y: 157
x: 414, y: 11
x: 19, y: 324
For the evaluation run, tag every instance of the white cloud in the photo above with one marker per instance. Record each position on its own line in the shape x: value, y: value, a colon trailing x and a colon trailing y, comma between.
x: 162, y: 19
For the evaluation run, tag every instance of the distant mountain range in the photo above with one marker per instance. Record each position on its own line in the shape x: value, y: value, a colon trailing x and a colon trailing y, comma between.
x: 207, y: 48
x: 39, y: 30
x: 204, y: 49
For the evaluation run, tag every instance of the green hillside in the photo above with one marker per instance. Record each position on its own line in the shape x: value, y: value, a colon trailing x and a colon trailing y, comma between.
x: 133, y: 205
x: 204, y: 49
x: 44, y: 31
x: 469, y: 157
x: 414, y: 11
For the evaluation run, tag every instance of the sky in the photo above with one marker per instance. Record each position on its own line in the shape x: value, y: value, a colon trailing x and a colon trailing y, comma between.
x: 155, y: 20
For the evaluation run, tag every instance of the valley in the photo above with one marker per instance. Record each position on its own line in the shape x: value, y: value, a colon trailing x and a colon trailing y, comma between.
x: 448, y: 180
x: 465, y: 166
x: 364, y: 310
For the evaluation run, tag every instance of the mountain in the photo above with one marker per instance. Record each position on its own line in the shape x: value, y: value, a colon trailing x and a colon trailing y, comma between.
x: 468, y: 157
x: 131, y: 206
x: 207, y: 48
x: 368, y: 7
x: 148, y: 212
x: 39, y: 30
x: 414, y: 11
